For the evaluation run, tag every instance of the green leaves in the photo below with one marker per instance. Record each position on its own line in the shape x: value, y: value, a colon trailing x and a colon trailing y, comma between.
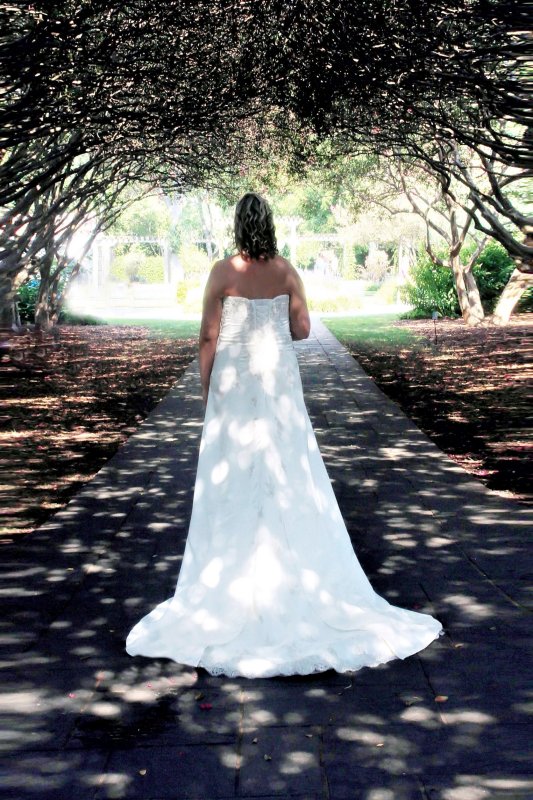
x: 186, y: 95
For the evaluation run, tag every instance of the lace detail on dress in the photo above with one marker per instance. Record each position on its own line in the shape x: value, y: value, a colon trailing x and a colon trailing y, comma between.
x: 303, y: 666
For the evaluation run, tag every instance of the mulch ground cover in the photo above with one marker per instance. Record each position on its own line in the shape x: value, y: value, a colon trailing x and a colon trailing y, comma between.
x: 469, y: 392
x: 67, y: 405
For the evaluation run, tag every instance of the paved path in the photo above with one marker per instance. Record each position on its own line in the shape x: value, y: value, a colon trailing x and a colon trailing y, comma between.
x: 84, y: 720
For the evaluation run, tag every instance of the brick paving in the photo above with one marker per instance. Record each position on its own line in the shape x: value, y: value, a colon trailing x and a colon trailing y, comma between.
x: 81, y: 719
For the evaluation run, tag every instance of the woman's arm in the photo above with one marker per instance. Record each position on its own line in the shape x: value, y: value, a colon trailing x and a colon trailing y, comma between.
x: 210, y: 326
x: 298, y: 312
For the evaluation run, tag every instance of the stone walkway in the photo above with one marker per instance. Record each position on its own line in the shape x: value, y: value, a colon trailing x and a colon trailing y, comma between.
x: 84, y: 720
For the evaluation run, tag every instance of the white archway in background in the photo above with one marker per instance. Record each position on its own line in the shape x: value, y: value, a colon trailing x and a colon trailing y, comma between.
x: 103, y: 252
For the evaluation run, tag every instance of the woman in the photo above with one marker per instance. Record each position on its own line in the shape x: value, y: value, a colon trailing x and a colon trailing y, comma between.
x: 269, y: 584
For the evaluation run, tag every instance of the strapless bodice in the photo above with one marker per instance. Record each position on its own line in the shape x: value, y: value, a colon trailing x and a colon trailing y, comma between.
x: 253, y: 321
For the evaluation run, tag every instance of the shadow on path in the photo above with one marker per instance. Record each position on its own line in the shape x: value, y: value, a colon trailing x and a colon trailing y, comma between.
x: 84, y: 720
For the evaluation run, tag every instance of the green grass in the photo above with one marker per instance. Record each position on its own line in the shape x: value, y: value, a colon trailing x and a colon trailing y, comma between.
x: 374, y: 329
x: 173, y: 328
x: 377, y: 329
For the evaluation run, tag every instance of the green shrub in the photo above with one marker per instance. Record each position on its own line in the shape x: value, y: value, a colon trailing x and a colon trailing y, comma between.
x: 326, y: 295
x: 195, y: 262
x: 124, y: 267
x: 430, y: 288
x: 28, y: 293
x: 189, y: 295
x: 360, y: 254
x: 525, y: 304
x: 71, y: 318
x: 349, y: 266
x: 153, y: 270
x: 388, y: 292
x: 181, y: 292
x: 377, y: 266
x: 306, y: 254
x: 328, y: 305
x: 136, y: 267
x: 27, y: 298
x: 414, y: 313
x: 492, y: 270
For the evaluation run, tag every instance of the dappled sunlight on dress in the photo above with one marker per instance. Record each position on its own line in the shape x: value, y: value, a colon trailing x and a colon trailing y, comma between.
x: 269, y: 584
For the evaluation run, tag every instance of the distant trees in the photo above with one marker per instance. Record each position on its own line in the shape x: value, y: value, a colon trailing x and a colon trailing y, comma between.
x: 98, y: 95
x: 447, y: 224
x: 471, y: 130
x: 460, y: 198
x: 493, y: 193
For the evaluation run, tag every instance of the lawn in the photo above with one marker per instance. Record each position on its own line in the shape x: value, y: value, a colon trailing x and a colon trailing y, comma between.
x: 468, y: 390
x: 167, y: 328
x: 378, y: 330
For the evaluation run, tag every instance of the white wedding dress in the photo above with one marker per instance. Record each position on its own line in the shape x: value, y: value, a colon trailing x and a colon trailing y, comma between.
x: 269, y: 584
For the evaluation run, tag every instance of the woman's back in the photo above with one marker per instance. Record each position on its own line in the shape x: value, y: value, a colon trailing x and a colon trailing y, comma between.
x: 269, y: 582
x: 253, y: 331
x: 261, y: 278
x: 256, y: 278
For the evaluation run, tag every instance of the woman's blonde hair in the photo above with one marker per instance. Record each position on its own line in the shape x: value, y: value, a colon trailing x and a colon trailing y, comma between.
x: 255, y: 234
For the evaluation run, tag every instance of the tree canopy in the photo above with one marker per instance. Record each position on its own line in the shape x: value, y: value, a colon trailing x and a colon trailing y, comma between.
x: 187, y: 84
x: 180, y: 94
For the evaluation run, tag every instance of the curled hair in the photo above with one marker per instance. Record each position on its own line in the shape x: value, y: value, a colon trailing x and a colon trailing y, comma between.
x: 255, y: 234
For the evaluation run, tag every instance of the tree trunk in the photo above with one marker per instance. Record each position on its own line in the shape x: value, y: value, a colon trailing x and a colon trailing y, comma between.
x: 467, y: 293
x: 42, y: 313
x: 207, y: 222
x: 56, y: 296
x: 42, y: 306
x: 55, y: 300
x: 9, y: 315
x: 12, y: 275
x: 513, y: 291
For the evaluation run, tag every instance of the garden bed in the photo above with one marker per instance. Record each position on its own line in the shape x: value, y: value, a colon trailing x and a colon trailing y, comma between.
x: 63, y: 415
x: 468, y: 390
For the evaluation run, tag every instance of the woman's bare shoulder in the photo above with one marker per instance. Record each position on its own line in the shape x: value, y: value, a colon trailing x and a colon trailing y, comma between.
x: 222, y: 265
x: 283, y: 265
x: 220, y: 276
x: 291, y: 273
x: 229, y: 266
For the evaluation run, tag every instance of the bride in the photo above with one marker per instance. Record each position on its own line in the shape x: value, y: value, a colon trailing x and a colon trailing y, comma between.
x: 269, y: 584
